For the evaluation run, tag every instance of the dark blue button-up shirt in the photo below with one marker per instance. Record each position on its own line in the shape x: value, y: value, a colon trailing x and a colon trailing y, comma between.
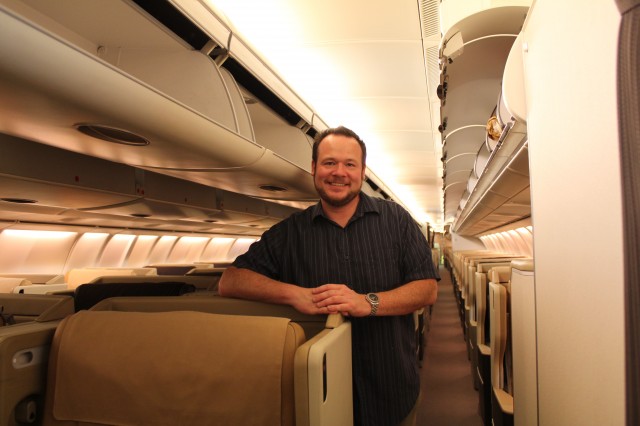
x: 381, y: 248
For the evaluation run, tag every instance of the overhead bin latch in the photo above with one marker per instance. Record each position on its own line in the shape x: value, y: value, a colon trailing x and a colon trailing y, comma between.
x: 214, y: 51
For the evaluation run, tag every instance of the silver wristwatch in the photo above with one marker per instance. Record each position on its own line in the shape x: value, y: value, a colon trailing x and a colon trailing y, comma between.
x: 373, y: 300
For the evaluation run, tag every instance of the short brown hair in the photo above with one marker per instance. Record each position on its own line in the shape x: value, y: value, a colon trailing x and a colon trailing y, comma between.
x: 340, y: 130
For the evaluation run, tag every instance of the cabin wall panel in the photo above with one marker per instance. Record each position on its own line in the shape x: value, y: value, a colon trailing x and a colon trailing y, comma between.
x: 240, y: 246
x: 141, y: 250
x: 86, y: 250
x: 570, y: 83
x: 460, y: 243
x: 31, y: 252
x: 116, y: 251
x: 161, y: 250
x: 187, y: 250
x: 217, y: 249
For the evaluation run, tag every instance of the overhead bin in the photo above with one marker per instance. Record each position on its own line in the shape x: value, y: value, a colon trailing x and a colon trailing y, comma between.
x: 482, y: 158
x: 502, y: 195
x: 49, y: 86
x: 513, y: 94
x: 473, y: 55
x: 476, y: 44
x: 195, y: 127
x: 88, y: 190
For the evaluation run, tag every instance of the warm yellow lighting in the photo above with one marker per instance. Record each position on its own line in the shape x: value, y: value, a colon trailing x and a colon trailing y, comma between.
x: 123, y: 237
x: 24, y: 233
x: 223, y: 240
x: 276, y: 32
x: 245, y: 240
x: 94, y: 235
x: 193, y: 240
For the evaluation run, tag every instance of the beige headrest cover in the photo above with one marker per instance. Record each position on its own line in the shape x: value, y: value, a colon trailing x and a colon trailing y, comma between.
x: 168, y: 368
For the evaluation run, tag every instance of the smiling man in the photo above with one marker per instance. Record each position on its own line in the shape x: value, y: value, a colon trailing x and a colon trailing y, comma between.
x: 360, y: 256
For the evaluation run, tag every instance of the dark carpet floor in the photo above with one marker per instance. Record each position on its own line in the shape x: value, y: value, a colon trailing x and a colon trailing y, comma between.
x: 448, y: 396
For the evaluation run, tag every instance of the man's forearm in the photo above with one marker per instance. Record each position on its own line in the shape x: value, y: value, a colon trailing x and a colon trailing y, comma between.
x: 408, y: 297
x: 246, y: 284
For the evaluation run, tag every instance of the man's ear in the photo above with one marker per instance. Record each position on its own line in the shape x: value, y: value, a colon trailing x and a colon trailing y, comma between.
x: 364, y: 169
x: 313, y: 168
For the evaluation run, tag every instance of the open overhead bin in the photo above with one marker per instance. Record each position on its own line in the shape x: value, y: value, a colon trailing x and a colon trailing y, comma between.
x: 501, y: 193
x: 107, y: 80
x: 476, y: 44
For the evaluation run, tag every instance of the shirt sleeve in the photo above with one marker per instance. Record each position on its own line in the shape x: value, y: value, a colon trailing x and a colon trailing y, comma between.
x: 264, y: 256
x: 417, y: 262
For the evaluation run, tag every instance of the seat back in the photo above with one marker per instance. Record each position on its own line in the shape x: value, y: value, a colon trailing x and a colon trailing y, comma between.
x: 214, y: 274
x: 36, y: 307
x: 177, y: 268
x: 499, y: 274
x: 478, y: 294
x: 87, y: 295
x: 501, y: 374
x: 23, y: 362
x: 524, y: 343
x: 323, y: 379
x: 8, y: 284
x: 201, y: 283
x: 75, y: 277
x: 169, y: 368
x: 214, y: 304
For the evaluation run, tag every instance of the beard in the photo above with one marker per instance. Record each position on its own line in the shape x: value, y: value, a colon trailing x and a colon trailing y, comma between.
x: 336, y: 202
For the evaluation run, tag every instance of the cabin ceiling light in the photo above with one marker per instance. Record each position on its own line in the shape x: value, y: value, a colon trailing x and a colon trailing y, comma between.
x: 111, y: 134
x: 272, y: 188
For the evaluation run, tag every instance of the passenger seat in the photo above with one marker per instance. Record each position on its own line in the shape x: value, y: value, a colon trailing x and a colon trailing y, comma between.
x: 172, y: 368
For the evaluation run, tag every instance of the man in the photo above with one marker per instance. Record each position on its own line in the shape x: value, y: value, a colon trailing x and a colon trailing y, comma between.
x: 362, y: 257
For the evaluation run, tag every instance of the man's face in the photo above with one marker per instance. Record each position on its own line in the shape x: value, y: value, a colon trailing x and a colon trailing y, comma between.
x: 339, y: 172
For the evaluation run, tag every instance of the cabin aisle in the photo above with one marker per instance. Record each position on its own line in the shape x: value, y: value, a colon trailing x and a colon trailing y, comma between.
x: 448, y: 397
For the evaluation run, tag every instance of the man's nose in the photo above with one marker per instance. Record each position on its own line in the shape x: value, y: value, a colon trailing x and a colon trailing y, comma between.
x: 340, y: 169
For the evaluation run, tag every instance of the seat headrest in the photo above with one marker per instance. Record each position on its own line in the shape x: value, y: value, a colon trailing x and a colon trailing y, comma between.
x: 499, y: 274
x: 522, y: 264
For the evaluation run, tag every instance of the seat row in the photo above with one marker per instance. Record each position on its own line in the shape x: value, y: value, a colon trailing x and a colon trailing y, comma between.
x: 202, y: 276
x: 495, y: 295
x: 223, y: 361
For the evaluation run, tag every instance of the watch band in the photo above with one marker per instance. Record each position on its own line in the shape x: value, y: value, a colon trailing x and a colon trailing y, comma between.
x: 374, y: 301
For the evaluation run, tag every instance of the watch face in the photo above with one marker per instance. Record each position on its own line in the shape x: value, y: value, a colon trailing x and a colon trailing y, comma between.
x: 373, y: 297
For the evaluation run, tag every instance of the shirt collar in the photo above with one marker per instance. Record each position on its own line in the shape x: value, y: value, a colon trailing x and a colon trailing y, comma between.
x: 366, y: 204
